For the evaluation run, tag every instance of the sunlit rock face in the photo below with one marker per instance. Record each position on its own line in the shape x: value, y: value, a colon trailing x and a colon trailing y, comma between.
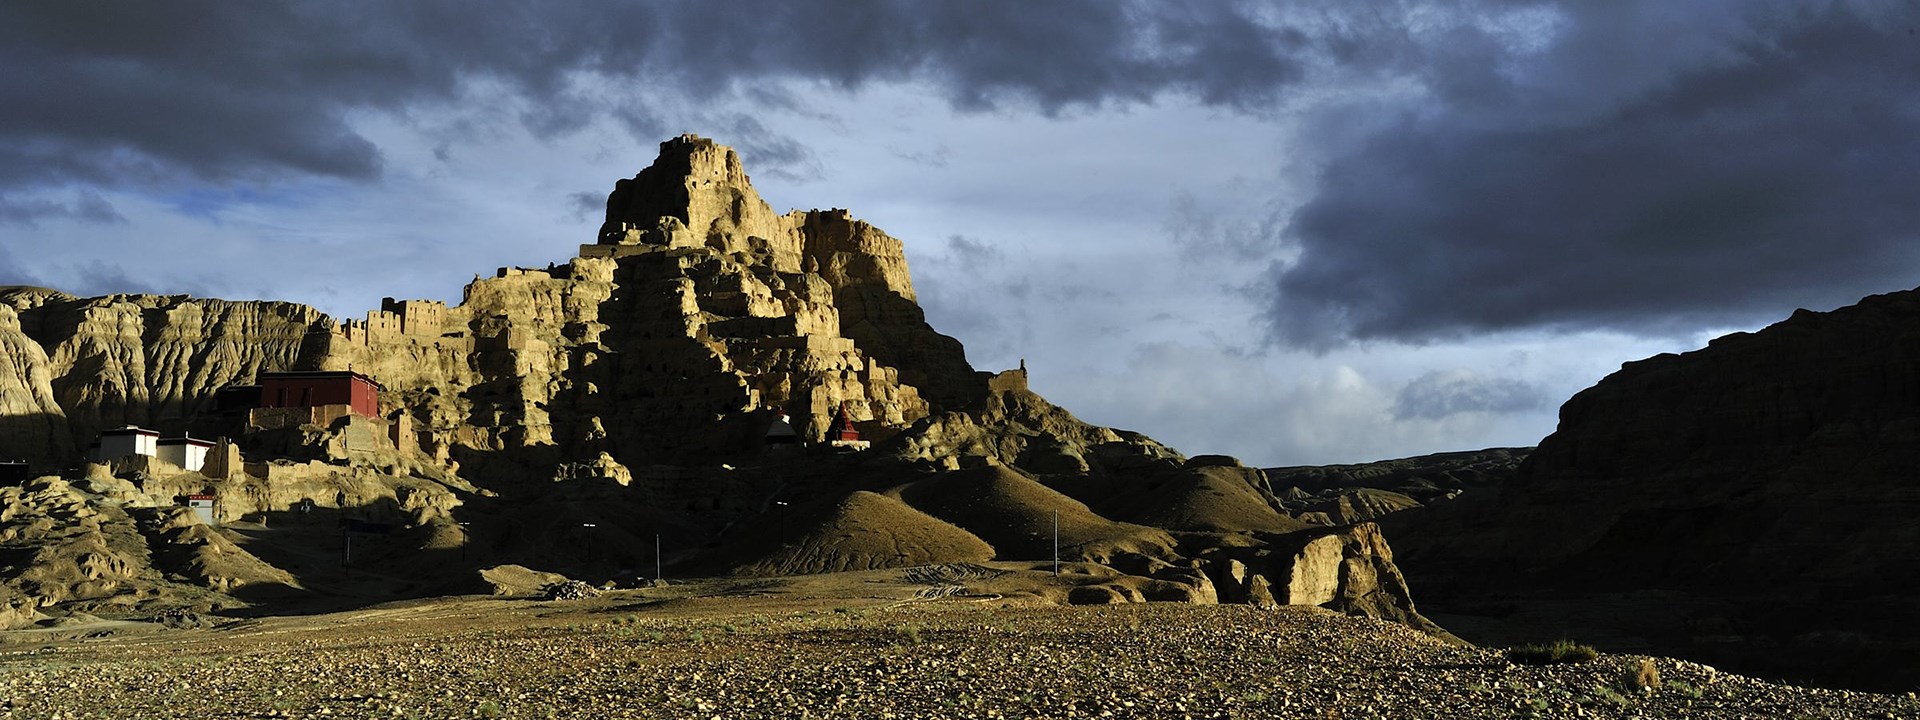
x: 619, y: 401
x: 698, y: 312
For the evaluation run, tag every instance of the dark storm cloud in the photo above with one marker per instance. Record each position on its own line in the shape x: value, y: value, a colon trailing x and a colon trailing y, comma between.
x: 102, y: 92
x: 1656, y: 167
x: 148, y: 95
x: 1635, y: 165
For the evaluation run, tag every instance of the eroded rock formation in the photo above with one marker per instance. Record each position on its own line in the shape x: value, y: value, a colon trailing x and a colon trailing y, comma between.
x: 610, y: 412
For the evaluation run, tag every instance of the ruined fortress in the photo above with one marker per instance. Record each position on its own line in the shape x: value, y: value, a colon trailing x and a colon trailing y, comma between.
x: 696, y: 315
x: 703, y: 362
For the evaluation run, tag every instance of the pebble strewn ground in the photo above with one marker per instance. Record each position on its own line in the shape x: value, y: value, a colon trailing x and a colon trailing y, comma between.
x: 948, y: 659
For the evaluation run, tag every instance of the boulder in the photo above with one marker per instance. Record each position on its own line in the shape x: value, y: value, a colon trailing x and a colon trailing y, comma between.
x: 1348, y: 569
x: 520, y: 580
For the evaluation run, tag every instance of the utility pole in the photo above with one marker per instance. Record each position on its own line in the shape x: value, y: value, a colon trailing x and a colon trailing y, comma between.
x: 1056, y: 543
x: 783, y: 521
x: 657, y: 576
x: 589, y: 527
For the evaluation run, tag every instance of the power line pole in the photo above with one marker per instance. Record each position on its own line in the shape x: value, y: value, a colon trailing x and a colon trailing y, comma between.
x: 1056, y: 543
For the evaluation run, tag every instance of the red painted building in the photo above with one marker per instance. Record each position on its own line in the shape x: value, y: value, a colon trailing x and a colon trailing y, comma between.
x: 318, y: 388
x: 841, y: 429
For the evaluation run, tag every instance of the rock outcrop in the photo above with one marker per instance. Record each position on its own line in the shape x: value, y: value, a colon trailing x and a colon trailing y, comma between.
x: 697, y: 195
x: 1765, y: 481
x: 1349, y: 569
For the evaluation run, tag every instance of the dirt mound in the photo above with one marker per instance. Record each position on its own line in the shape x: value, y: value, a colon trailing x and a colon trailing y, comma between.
x: 868, y: 531
x: 193, y: 550
x: 1213, y: 498
x: 61, y: 545
x: 1015, y: 514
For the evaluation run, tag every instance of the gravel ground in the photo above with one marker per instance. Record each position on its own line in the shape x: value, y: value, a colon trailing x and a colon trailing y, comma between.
x: 736, y: 658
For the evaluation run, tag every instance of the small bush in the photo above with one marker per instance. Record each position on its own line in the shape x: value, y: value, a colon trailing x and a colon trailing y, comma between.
x: 1646, y: 677
x: 1561, y: 651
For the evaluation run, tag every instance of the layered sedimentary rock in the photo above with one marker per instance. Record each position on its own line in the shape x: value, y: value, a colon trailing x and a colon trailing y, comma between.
x: 154, y: 361
x: 33, y: 426
x: 1769, y: 475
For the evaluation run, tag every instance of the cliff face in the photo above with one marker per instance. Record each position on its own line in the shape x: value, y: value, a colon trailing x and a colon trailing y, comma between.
x: 154, y: 361
x: 33, y: 427
x: 1771, y: 473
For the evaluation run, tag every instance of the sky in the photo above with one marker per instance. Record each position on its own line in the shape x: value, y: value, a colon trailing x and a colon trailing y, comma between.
x: 1297, y: 233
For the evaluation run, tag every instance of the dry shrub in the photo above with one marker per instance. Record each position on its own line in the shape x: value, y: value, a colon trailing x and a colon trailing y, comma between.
x: 1561, y: 651
x: 1646, y: 677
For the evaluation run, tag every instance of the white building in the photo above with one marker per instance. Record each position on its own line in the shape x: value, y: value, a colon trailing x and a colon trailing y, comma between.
x: 121, y: 442
x: 203, y: 508
x: 189, y: 453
